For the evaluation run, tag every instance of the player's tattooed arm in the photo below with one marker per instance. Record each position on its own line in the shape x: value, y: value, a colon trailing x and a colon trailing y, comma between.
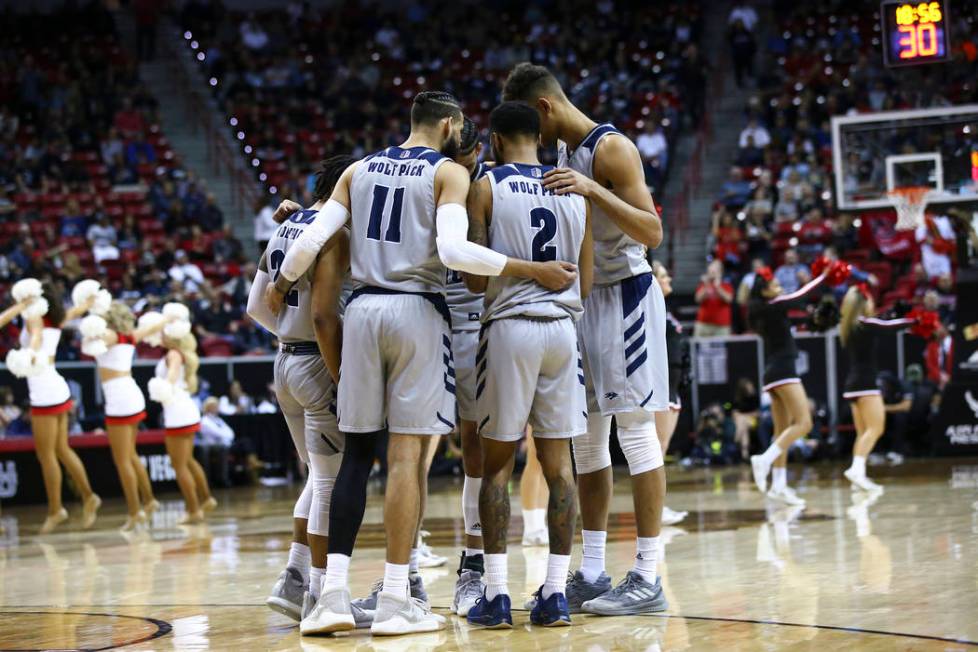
x: 618, y: 188
x: 327, y: 286
x: 479, y: 208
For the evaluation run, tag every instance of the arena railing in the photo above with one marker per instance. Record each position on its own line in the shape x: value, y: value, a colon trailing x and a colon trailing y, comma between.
x: 200, y: 114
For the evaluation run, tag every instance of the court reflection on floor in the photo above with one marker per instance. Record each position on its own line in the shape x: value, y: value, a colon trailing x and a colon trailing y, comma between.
x: 896, y: 571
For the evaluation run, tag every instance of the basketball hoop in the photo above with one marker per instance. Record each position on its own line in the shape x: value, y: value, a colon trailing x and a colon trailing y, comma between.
x: 910, y: 202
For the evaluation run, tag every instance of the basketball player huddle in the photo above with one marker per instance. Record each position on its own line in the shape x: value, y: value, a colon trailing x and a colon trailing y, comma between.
x: 556, y: 325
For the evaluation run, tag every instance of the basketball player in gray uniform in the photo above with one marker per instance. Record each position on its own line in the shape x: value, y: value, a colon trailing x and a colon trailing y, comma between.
x: 306, y: 391
x: 528, y: 361
x: 407, y: 223
x: 466, y: 309
x: 622, y: 338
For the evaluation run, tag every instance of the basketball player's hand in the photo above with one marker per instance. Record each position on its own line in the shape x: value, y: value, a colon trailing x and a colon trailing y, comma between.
x: 273, y: 298
x: 286, y: 208
x: 564, y: 180
x: 556, y: 275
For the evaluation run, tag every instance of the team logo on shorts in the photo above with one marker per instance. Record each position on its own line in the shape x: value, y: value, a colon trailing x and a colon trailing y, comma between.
x: 611, y: 396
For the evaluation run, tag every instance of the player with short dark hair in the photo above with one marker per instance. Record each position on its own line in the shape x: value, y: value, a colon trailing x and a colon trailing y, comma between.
x: 622, y: 339
x: 529, y: 365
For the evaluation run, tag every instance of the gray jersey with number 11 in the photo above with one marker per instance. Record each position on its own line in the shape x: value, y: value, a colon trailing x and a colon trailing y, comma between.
x: 392, y: 239
x: 532, y: 223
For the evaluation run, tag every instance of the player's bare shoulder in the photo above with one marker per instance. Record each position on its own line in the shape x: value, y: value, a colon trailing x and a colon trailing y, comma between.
x: 614, y: 155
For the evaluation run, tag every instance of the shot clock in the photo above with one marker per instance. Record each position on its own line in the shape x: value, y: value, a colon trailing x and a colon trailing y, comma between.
x: 915, y: 32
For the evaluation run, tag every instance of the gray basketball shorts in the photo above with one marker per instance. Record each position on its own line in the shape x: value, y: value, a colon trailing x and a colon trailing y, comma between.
x: 397, y: 369
x: 464, y: 345
x: 529, y: 371
x: 623, y: 342
x: 307, y: 397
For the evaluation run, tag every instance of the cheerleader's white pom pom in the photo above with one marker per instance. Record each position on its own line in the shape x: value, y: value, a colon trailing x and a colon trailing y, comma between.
x: 26, y: 288
x: 92, y: 327
x: 160, y: 390
x: 37, y: 308
x: 84, y: 290
x: 176, y: 311
x: 20, y: 362
x: 176, y: 329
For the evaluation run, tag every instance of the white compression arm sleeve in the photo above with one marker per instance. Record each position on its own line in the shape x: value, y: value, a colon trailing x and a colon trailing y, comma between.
x: 454, y: 248
x: 257, y: 309
x: 304, y: 251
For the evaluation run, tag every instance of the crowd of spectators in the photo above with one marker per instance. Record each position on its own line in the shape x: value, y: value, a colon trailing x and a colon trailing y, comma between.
x: 293, y: 96
x: 776, y: 208
x: 90, y: 188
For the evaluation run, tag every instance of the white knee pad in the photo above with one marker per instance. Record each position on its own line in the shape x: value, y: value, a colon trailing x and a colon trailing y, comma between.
x: 323, y: 470
x: 639, y: 442
x: 301, y: 509
x: 470, y: 506
x: 591, y: 450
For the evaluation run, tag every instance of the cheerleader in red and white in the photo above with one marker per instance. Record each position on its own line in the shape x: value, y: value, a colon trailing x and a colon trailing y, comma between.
x: 859, y: 331
x: 110, y: 336
x: 50, y: 397
x: 768, y: 316
x: 175, y: 381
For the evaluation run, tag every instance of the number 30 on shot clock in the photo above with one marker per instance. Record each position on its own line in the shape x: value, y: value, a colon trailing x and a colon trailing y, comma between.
x: 915, y: 32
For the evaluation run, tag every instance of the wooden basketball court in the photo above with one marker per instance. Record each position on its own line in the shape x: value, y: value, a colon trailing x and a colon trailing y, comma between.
x: 897, y: 574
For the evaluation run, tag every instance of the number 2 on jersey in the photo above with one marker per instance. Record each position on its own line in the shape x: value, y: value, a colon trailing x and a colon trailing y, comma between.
x: 544, y: 220
x: 275, y: 263
x: 377, y: 214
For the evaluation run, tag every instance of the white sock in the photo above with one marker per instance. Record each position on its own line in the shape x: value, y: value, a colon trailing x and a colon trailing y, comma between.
x: 300, y: 559
x: 534, y: 520
x: 496, y: 575
x: 557, y: 566
x: 779, y: 478
x: 337, y: 571
x: 413, y: 563
x: 592, y: 561
x: 472, y: 552
x: 858, y: 465
x: 772, y: 453
x: 315, y: 581
x: 396, y: 579
x: 646, y: 557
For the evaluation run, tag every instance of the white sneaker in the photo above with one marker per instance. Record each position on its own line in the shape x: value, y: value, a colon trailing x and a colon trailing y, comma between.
x: 395, y: 616
x: 786, y: 496
x: 426, y: 556
x: 671, y: 516
x: 760, y: 469
x: 860, y: 481
x: 536, y: 538
x: 332, y: 613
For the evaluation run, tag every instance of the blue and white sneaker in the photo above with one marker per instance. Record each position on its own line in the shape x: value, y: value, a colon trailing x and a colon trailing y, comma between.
x: 578, y: 591
x: 552, y: 612
x: 492, y: 614
x: 632, y: 596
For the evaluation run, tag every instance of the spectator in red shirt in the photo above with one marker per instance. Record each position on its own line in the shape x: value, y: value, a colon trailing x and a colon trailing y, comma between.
x: 815, y: 233
x: 728, y: 237
x: 714, y: 296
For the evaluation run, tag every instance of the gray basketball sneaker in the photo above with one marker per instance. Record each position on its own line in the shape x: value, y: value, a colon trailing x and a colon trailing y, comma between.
x: 468, y: 589
x: 286, y: 597
x: 578, y: 591
x: 395, y: 615
x: 369, y: 603
x: 332, y: 613
x: 633, y: 596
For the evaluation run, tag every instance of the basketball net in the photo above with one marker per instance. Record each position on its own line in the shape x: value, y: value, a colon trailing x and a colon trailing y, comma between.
x: 910, y: 203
